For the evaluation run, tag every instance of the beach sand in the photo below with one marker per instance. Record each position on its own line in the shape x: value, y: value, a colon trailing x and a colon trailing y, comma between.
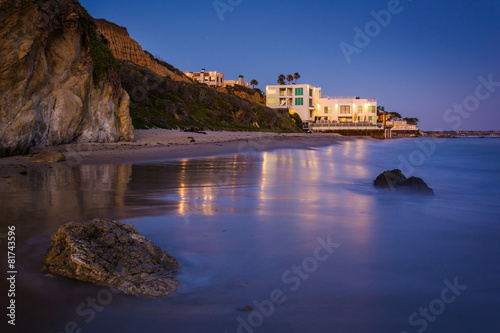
x: 161, y: 144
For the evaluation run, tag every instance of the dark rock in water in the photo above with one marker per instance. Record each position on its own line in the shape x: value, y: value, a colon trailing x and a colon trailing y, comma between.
x: 389, y: 179
x: 396, y: 181
x: 415, y: 185
x: 113, y: 254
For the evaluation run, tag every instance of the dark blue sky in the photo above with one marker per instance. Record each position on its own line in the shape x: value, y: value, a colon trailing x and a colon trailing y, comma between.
x: 425, y: 60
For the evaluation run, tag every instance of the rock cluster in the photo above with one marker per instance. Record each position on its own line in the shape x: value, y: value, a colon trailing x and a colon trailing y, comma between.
x: 113, y: 254
x: 396, y: 181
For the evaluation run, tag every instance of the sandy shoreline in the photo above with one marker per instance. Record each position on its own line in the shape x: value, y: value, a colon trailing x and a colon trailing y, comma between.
x: 160, y: 144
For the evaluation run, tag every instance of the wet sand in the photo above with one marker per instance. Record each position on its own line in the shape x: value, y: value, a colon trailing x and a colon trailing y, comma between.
x: 160, y: 144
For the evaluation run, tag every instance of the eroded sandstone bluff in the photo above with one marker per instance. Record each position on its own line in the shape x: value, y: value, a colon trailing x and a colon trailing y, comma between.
x: 56, y: 85
x: 126, y: 48
x: 113, y: 254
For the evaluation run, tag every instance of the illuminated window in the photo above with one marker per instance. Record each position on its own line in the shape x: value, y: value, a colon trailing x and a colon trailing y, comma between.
x: 299, y: 91
x: 299, y: 101
x: 271, y: 101
x: 372, y: 109
x: 345, y: 109
x: 360, y: 109
x: 271, y: 91
x: 328, y: 109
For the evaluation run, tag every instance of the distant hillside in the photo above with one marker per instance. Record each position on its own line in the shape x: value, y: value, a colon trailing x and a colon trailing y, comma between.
x: 157, y: 101
x: 126, y: 48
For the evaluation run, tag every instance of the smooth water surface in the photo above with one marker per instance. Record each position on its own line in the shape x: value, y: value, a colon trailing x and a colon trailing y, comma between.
x: 247, y: 228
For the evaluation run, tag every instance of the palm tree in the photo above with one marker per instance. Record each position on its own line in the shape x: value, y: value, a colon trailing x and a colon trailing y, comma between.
x: 289, y: 78
x: 254, y: 83
x: 296, y: 76
x: 281, y: 79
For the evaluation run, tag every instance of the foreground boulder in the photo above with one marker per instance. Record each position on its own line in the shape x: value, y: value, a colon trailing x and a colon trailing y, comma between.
x: 396, y: 181
x: 113, y: 254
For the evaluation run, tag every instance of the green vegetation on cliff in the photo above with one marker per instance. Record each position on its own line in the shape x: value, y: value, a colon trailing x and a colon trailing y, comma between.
x: 54, y: 12
x: 157, y: 101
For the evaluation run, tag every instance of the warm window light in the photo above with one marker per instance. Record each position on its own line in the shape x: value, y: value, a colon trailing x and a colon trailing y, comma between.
x: 336, y: 106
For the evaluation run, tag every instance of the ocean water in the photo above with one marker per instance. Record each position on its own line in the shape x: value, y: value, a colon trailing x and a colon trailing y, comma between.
x: 300, y: 235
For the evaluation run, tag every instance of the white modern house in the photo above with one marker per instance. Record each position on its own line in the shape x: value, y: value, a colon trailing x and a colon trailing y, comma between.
x: 240, y: 81
x: 298, y: 98
x: 312, y: 106
x: 346, y: 109
x: 215, y: 79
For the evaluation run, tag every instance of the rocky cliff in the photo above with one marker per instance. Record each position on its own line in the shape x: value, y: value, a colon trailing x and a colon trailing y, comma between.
x: 57, y: 80
x: 126, y: 48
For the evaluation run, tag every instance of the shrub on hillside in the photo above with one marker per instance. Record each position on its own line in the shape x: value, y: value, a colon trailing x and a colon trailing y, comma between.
x: 161, y: 102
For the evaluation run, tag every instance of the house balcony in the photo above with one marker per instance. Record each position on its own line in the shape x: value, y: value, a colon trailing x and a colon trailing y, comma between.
x: 338, y: 97
x: 326, y: 126
x: 287, y: 92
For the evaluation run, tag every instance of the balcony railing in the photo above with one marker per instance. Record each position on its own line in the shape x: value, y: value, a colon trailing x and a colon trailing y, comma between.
x: 361, y: 125
x: 348, y: 97
x: 338, y: 97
